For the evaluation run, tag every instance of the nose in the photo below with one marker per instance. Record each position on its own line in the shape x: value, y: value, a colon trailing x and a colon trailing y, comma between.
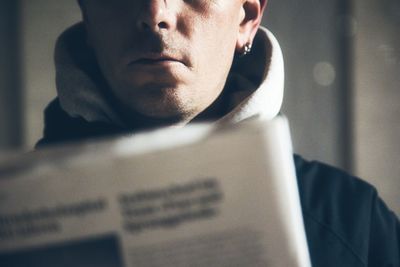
x: 156, y: 15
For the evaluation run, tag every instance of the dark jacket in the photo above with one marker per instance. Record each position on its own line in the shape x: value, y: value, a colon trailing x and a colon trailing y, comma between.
x: 346, y: 223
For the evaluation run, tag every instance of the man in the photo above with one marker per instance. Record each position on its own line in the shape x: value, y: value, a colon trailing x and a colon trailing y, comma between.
x: 140, y: 64
x: 163, y: 64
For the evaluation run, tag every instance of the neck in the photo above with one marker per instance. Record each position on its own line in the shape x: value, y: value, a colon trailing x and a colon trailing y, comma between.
x: 138, y: 122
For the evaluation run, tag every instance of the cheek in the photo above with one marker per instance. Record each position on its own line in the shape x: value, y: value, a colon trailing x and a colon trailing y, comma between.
x: 215, y: 42
x: 214, y: 54
x: 105, y: 36
x: 108, y: 41
x: 107, y: 23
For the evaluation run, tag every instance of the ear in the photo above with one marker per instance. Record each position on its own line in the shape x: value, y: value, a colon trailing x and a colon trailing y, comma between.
x: 252, y: 11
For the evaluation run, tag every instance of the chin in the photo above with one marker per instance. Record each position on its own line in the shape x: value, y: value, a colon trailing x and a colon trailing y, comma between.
x: 162, y: 108
x: 161, y: 100
x: 164, y: 103
x: 160, y: 111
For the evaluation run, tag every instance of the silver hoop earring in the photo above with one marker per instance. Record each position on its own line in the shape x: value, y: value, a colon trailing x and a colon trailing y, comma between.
x: 247, y: 49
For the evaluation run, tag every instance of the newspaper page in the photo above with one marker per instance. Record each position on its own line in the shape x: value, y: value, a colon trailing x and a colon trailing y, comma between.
x: 197, y: 196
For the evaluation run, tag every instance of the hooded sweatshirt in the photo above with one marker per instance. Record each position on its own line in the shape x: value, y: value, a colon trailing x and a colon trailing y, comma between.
x: 84, y: 102
x: 346, y: 223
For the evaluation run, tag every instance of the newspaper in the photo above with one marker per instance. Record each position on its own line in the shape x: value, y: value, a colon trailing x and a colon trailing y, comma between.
x: 197, y: 196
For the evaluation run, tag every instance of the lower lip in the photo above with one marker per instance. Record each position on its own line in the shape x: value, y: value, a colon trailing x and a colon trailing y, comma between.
x: 156, y: 63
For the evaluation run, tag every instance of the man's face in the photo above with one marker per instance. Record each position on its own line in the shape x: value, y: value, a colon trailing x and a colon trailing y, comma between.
x: 165, y: 58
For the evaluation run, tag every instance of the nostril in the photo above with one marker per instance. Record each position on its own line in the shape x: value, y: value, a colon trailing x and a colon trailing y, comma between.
x: 146, y: 26
x: 162, y: 25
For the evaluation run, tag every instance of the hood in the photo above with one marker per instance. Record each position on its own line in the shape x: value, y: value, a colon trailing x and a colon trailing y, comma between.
x: 257, y: 78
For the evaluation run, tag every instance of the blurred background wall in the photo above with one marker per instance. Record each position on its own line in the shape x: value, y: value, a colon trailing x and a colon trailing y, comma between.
x: 377, y: 96
x: 342, y: 79
x: 11, y: 109
x: 42, y: 22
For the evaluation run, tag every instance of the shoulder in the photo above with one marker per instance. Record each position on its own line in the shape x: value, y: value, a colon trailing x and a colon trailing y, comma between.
x: 61, y: 128
x: 344, y: 218
x: 324, y: 189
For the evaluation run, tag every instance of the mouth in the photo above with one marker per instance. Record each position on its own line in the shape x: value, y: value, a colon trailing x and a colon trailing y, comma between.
x: 155, y: 59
